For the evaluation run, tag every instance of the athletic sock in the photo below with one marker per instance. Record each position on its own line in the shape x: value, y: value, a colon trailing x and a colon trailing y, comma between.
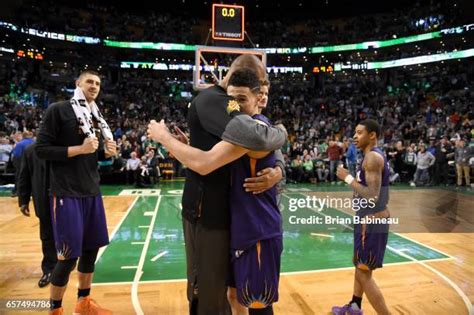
x: 357, y: 300
x: 55, y: 304
x: 83, y: 292
x: 261, y: 311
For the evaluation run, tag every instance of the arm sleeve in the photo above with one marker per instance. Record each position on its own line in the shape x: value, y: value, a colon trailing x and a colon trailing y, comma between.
x: 49, y: 129
x: 244, y: 131
x: 24, y: 181
x: 280, y: 162
x: 238, y: 129
x: 101, y: 151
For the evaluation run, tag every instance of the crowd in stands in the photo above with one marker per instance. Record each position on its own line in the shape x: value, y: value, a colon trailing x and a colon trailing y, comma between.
x: 427, y: 119
x: 107, y: 22
x: 416, y: 111
x: 318, y: 32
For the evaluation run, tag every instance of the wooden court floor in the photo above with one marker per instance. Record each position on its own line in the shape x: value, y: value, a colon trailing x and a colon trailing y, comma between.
x: 431, y: 287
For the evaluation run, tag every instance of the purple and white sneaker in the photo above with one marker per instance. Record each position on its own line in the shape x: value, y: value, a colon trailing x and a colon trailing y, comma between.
x: 346, y: 310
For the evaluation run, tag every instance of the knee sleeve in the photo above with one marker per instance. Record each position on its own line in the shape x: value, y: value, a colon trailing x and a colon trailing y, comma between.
x: 61, y: 272
x: 261, y: 311
x: 87, y: 261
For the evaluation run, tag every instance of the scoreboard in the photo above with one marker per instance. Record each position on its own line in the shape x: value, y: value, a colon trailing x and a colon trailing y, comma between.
x: 228, y: 22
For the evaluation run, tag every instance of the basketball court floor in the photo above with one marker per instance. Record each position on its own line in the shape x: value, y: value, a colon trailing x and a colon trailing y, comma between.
x: 428, y: 267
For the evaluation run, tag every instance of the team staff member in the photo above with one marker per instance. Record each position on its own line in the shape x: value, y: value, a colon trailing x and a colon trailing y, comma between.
x: 33, y: 181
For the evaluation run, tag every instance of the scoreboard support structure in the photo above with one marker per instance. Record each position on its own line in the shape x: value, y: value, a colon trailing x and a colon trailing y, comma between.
x: 211, y: 62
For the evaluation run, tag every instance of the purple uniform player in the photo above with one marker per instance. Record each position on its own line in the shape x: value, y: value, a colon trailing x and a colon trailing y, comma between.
x: 79, y: 224
x: 370, y: 240
x: 256, y: 235
x: 260, y: 250
x: 371, y: 220
x: 69, y: 139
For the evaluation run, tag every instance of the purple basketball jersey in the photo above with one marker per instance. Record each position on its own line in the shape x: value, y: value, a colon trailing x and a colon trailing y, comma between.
x: 370, y: 240
x: 253, y: 217
x: 382, y: 201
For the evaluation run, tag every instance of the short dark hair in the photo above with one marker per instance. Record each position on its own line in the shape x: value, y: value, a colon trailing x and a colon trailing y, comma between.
x: 371, y: 126
x: 92, y: 72
x: 245, y: 77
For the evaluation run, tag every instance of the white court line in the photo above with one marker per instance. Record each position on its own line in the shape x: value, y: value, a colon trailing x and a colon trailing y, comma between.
x: 141, y: 282
x: 463, y: 296
x: 398, y: 234
x: 139, y: 273
x: 159, y: 256
x: 322, y: 235
x: 128, y: 267
x: 419, y: 243
x: 283, y: 273
x: 143, y: 226
x: 117, y: 227
x: 352, y: 267
x: 138, y: 243
x: 445, y: 278
x: 149, y: 213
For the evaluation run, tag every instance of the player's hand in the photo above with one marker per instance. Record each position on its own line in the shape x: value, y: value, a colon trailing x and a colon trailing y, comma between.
x: 25, y: 210
x: 90, y: 145
x: 341, y: 172
x: 158, y: 131
x: 265, y: 179
x: 110, y: 147
x: 180, y: 135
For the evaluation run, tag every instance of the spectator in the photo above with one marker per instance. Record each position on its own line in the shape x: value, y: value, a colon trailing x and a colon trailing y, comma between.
x: 152, y: 166
x: 297, y: 169
x: 132, y: 167
x: 463, y: 154
x: 17, y: 153
x: 443, y: 152
x: 424, y: 161
x: 351, y: 156
x: 5, y: 149
x: 334, y: 153
x: 394, y: 177
x: 308, y: 169
x: 322, y: 171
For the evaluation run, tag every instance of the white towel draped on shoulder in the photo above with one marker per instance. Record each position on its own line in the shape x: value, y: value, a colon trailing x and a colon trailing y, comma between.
x: 85, y: 117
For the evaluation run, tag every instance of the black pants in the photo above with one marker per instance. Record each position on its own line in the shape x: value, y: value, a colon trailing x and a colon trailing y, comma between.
x: 441, y: 173
x: 132, y: 176
x: 298, y: 174
x: 47, y: 243
x: 16, y: 162
x: 208, y: 266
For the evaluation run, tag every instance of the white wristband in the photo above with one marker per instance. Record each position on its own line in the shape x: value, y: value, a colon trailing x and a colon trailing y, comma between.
x: 349, y: 179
